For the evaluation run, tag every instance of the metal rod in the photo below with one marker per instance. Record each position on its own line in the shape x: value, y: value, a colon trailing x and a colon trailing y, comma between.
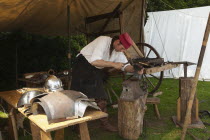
x: 192, y: 94
x: 185, y: 70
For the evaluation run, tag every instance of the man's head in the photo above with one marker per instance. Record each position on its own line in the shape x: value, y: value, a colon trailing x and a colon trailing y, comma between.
x: 122, y: 42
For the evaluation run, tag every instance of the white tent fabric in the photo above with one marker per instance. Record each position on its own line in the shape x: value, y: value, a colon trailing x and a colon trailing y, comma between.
x: 177, y: 35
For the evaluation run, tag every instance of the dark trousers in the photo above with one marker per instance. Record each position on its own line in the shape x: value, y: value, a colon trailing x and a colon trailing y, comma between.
x: 88, y: 79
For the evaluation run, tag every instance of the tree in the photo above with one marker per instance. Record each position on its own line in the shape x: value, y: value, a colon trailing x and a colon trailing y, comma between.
x: 163, y: 5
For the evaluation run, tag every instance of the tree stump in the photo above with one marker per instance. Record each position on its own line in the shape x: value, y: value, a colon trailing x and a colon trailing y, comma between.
x: 131, y: 110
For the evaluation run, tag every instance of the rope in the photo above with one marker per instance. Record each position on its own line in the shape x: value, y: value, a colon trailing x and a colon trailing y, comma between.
x: 161, y: 41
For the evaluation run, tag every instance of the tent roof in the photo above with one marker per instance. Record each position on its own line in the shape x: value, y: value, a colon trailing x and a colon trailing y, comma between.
x: 50, y: 16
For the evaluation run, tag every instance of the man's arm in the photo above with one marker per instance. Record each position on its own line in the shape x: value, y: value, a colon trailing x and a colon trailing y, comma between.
x: 102, y: 63
x: 116, y: 65
x: 130, y: 68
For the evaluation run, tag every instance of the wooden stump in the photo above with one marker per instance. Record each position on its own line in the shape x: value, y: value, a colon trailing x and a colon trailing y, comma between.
x: 185, y: 89
x: 185, y: 86
x: 131, y: 109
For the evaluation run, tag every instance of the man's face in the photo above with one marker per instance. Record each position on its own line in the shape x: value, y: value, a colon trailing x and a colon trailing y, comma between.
x: 118, y: 46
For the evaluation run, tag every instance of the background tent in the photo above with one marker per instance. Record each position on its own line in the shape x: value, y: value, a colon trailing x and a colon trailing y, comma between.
x: 177, y: 35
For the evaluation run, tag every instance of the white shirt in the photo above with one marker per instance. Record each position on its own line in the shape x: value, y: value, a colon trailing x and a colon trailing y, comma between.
x: 99, y: 49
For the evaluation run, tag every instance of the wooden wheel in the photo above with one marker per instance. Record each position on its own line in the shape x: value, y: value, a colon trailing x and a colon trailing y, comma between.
x: 153, y: 81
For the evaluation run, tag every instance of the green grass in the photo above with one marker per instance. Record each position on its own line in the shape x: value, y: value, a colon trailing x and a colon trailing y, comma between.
x: 165, y: 128
x: 155, y: 129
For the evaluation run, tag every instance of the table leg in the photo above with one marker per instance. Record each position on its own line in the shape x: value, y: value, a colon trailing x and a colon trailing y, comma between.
x: 84, y: 133
x: 45, y: 135
x: 35, y: 130
x: 12, y: 124
x: 59, y: 134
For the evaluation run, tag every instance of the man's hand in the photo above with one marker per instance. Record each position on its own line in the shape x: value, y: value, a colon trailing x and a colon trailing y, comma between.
x: 141, y: 71
x: 136, y: 68
x: 118, y: 65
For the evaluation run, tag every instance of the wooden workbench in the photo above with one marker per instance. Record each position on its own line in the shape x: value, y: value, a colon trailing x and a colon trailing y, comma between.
x: 39, y: 124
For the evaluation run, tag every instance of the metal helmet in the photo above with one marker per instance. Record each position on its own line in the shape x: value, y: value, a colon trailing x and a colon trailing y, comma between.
x: 53, y: 84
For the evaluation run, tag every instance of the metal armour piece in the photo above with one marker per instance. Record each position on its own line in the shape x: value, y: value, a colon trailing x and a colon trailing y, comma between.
x: 60, y: 105
x: 27, y: 96
x: 81, y: 104
x: 53, y: 84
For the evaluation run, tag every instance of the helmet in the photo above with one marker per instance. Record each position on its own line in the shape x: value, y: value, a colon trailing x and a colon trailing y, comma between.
x: 53, y: 84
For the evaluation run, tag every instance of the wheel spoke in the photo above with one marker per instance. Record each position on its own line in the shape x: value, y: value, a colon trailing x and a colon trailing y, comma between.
x: 155, y: 77
x: 149, y: 81
x: 152, y: 80
x: 149, y: 53
x: 129, y: 77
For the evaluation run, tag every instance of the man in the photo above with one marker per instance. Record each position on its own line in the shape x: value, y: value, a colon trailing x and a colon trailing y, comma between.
x: 87, y: 76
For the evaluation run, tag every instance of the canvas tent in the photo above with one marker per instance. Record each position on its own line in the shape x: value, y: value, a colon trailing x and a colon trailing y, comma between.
x: 177, y: 35
x: 50, y: 17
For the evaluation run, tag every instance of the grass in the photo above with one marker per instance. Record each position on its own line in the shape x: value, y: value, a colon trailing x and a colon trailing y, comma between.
x: 155, y: 129
x: 165, y: 128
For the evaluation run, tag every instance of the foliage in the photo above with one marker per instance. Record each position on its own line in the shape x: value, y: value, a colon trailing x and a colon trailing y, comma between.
x: 163, y: 5
x: 3, y: 115
x: 35, y: 53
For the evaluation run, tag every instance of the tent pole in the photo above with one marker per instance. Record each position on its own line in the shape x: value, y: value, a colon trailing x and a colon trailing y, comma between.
x: 69, y: 45
x: 16, y: 67
x: 192, y: 94
x: 142, y: 14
